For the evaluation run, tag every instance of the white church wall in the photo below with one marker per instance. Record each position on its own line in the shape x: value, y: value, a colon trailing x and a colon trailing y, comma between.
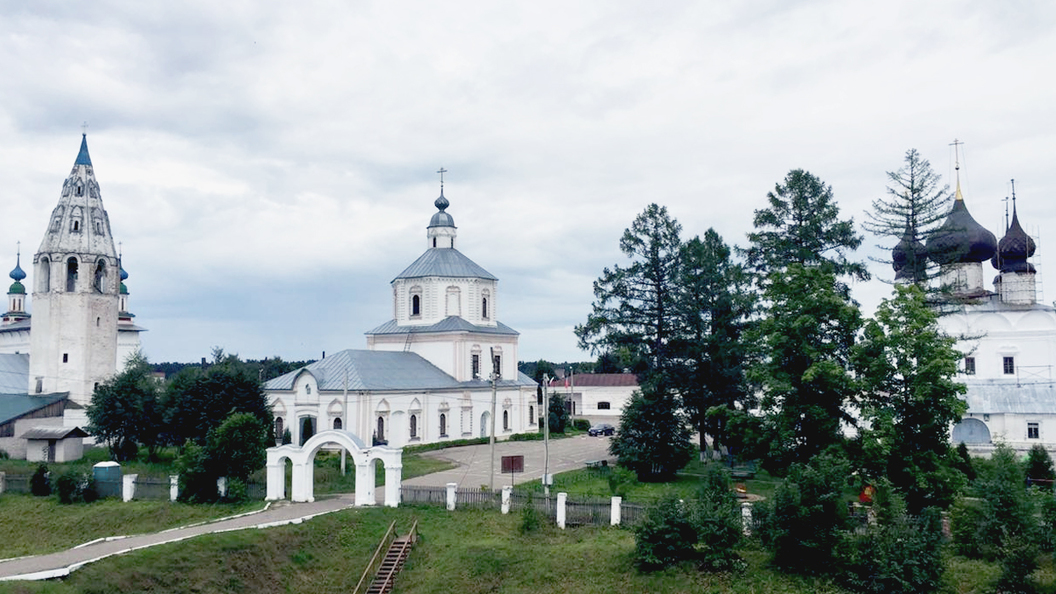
x: 14, y: 341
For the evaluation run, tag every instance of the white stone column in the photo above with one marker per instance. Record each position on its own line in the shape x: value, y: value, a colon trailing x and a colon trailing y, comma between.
x: 221, y: 486
x: 393, y: 476
x: 174, y: 486
x: 276, y: 482
x: 363, y: 490
x: 507, y: 491
x: 300, y: 485
x: 746, y: 517
x: 561, y: 497
x: 128, y: 487
x: 451, y: 496
x: 614, y: 515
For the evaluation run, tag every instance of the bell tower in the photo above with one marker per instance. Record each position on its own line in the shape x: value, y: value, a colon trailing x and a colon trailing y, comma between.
x: 73, y: 339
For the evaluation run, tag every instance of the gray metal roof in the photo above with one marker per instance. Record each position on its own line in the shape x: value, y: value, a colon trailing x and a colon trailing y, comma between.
x: 994, y: 396
x: 14, y: 373
x: 448, y: 324
x: 447, y: 262
x: 56, y: 432
x: 19, y: 325
x: 381, y: 371
x: 13, y: 406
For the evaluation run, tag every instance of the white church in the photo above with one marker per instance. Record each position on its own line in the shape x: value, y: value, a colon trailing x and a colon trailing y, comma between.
x: 80, y: 332
x: 432, y: 373
x: 1007, y: 338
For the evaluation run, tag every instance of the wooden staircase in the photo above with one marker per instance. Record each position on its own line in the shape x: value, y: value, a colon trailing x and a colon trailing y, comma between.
x: 385, y: 568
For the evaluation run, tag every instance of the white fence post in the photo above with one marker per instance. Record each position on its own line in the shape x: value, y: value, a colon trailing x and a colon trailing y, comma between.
x: 3, y: 481
x: 451, y: 496
x: 174, y: 486
x: 221, y: 486
x: 128, y: 487
x: 614, y: 515
x: 561, y: 497
x: 746, y: 518
x: 506, y: 492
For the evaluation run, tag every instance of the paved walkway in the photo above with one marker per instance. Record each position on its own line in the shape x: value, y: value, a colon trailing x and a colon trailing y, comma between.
x: 474, y: 461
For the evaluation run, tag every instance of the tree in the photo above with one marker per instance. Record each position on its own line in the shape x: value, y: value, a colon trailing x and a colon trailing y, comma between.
x: 666, y: 535
x: 653, y: 438
x: 717, y: 517
x: 802, y: 226
x: 237, y: 446
x: 1039, y: 465
x: 634, y: 305
x: 559, y: 416
x: 805, y: 340
x: 915, y: 206
x: 197, y: 401
x: 910, y: 399
x: 712, y: 309
x: 124, y: 410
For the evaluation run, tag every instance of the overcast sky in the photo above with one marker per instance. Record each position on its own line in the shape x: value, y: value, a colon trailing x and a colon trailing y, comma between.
x: 269, y: 167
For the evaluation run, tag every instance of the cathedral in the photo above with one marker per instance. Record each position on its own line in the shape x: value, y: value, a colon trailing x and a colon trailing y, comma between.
x: 80, y: 331
x: 433, y: 373
x: 1007, y: 338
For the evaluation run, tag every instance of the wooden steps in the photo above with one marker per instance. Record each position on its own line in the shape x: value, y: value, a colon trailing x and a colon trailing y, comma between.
x: 391, y: 565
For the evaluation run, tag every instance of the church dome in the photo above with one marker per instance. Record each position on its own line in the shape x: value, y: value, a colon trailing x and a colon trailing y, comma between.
x: 17, y: 289
x: 124, y: 289
x: 960, y: 239
x: 908, y: 258
x: 1015, y: 247
x: 442, y: 219
x: 124, y: 275
x: 18, y: 274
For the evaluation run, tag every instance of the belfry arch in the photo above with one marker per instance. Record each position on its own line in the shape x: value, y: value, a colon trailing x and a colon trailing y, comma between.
x: 303, y: 460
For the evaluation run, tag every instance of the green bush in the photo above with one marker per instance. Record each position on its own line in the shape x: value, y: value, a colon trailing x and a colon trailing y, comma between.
x: 581, y: 424
x: 717, y: 517
x: 1019, y: 559
x: 526, y: 437
x: 76, y: 487
x: 1039, y: 466
x: 40, y: 483
x: 4, y: 455
x: 237, y: 491
x: 530, y: 521
x: 666, y: 535
x: 286, y: 436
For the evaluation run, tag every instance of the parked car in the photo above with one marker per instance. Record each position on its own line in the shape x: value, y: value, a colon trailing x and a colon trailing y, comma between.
x: 601, y: 429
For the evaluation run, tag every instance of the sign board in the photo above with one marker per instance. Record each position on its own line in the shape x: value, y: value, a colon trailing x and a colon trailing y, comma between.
x: 511, y: 464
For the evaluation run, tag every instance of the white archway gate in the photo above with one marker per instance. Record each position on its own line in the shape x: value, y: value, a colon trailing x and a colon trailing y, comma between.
x: 303, y: 458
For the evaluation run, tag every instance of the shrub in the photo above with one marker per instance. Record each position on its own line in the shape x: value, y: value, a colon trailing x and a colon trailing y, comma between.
x: 530, y: 521
x: 197, y: 483
x: 665, y: 536
x: 526, y: 437
x: 237, y: 492
x: 286, y: 436
x: 964, y: 462
x: 802, y: 525
x: 4, y: 455
x: 581, y: 425
x: 40, y: 483
x: 1039, y: 465
x: 68, y: 487
x: 717, y: 517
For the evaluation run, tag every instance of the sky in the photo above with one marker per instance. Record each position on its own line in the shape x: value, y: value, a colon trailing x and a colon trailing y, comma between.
x: 270, y: 167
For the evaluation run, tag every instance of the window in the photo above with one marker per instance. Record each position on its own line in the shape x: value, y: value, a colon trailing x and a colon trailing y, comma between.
x: 1010, y: 365
x: 414, y: 426
x: 307, y: 388
x: 531, y: 415
x: 100, y: 276
x: 1032, y: 431
x: 604, y: 405
x: 65, y: 357
x: 476, y: 365
x: 969, y: 365
x: 505, y: 420
x: 484, y: 308
x: 45, y: 275
x: 496, y: 366
x: 76, y: 226
x: 278, y: 428
x: 434, y: 242
x: 307, y: 429
x: 379, y: 434
x: 443, y: 425
x: 337, y: 424
x: 71, y: 275
x: 416, y: 305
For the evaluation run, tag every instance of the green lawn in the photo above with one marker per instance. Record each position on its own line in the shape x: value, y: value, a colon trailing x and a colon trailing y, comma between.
x: 34, y: 525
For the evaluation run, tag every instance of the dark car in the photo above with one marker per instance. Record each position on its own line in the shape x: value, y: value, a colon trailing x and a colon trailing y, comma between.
x: 601, y: 429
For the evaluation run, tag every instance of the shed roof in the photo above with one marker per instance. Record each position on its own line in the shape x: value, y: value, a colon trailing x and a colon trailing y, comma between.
x: 14, y: 406
x: 57, y: 432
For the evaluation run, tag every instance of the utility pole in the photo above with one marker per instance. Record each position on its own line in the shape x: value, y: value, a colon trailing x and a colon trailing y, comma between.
x: 546, y: 439
x: 344, y: 422
x: 494, y: 379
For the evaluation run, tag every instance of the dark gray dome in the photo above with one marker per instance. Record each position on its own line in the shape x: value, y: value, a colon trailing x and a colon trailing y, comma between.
x: 1015, y: 247
x: 909, y: 258
x: 441, y: 219
x: 961, y: 239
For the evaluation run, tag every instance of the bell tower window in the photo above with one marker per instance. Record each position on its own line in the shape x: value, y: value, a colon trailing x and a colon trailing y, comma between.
x: 416, y: 302
x: 71, y: 275
x: 45, y: 275
x: 100, y: 276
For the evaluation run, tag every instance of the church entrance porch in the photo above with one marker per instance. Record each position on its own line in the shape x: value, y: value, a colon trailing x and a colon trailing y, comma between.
x: 302, y: 488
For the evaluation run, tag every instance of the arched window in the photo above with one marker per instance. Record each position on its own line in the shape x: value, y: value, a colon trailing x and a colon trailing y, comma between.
x: 278, y: 428
x: 505, y: 420
x: 307, y: 429
x: 71, y: 275
x: 443, y: 425
x: 45, y: 275
x: 484, y: 308
x: 337, y: 424
x: 100, y: 276
x: 416, y: 305
x: 414, y: 426
x: 381, y: 429
x: 531, y: 415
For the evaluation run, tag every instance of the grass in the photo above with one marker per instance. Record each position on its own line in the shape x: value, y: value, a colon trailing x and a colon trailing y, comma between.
x: 328, y: 477
x: 35, y: 525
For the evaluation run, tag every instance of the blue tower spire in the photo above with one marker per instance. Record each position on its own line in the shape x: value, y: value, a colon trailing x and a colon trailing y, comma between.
x: 82, y: 157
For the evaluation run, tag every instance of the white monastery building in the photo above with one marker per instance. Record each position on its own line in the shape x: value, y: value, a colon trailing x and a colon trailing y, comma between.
x: 1008, y: 339
x: 80, y: 332
x: 428, y: 374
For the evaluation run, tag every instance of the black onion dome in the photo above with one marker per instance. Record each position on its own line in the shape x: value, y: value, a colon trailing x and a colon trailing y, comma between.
x: 961, y: 239
x: 909, y: 258
x: 1015, y: 247
x: 442, y: 219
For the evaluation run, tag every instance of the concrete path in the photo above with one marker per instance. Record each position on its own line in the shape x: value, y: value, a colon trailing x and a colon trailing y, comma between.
x: 59, y: 564
x: 472, y: 472
x: 473, y: 462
